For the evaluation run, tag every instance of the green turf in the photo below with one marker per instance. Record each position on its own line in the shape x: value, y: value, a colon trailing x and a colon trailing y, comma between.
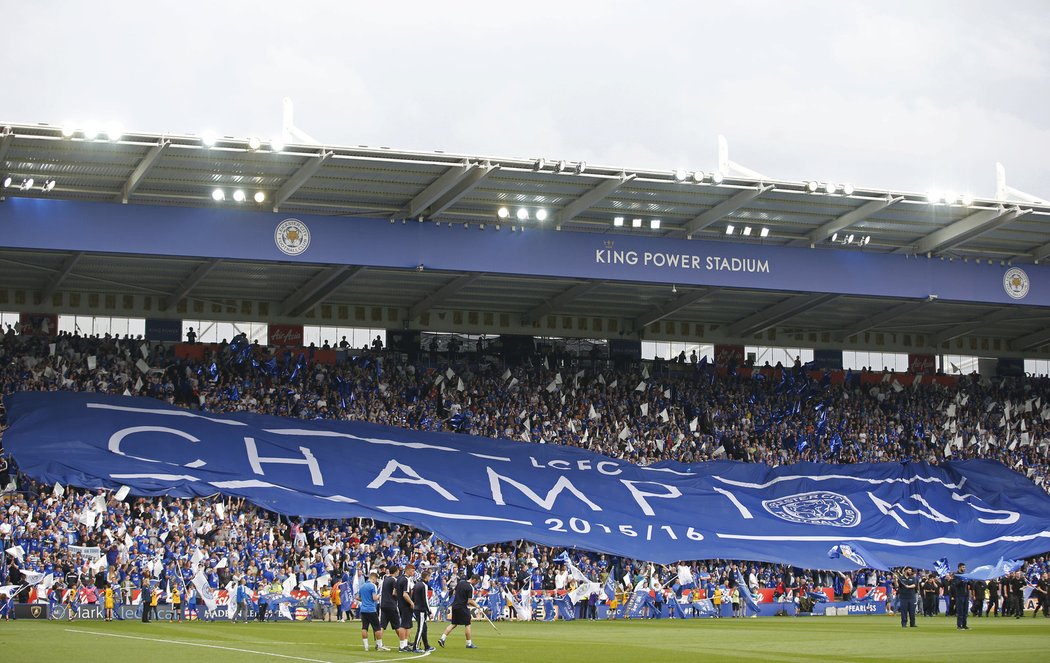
x: 855, y: 638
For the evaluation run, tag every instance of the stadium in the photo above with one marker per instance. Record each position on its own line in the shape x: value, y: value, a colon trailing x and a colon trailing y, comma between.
x: 697, y: 413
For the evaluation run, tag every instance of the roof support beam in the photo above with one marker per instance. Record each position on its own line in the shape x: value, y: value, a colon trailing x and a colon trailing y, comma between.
x: 65, y: 270
x: 439, y: 187
x: 965, y: 229
x: 299, y: 178
x: 591, y: 198
x: 1041, y: 253
x: 883, y: 317
x: 317, y: 289
x: 971, y: 326
x: 441, y: 294
x: 7, y: 138
x: 141, y: 170
x: 719, y: 211
x: 462, y: 187
x: 561, y: 299
x: 190, y: 282
x: 661, y: 311
x: 786, y: 309
x: 1033, y: 340
x: 850, y: 218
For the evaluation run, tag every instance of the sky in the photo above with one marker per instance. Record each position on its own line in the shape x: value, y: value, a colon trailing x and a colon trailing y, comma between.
x: 905, y: 96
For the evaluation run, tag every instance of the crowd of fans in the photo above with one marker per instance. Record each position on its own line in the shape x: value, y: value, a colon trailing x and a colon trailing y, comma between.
x: 642, y: 413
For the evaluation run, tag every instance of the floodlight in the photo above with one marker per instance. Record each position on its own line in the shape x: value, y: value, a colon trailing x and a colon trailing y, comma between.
x: 218, y: 195
x: 27, y: 184
x: 580, y: 167
x: 680, y: 175
x: 698, y: 176
x: 541, y: 163
x: 835, y: 237
x: 7, y: 181
x: 933, y: 197
x: 765, y: 232
x: 812, y: 186
x: 238, y: 195
x: 654, y: 224
x: 254, y: 143
x: 260, y: 197
x: 503, y: 212
x: 523, y: 214
x: 618, y: 221
x: 114, y: 131
x: 830, y: 188
x: 847, y: 189
x: 747, y: 231
x: 277, y: 144
x: 48, y: 185
x: 867, y: 238
x: 636, y: 223
x: 729, y: 229
x: 849, y: 238
x: 541, y: 215
x: 716, y: 177
x: 90, y: 132
x: 68, y: 130
x: 967, y: 199
x: 563, y: 166
x: 208, y: 138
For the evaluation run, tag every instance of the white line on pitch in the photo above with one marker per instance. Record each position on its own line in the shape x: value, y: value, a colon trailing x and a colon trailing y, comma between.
x: 237, y: 649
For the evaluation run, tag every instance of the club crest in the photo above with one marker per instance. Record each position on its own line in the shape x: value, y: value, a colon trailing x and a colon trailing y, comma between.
x: 1016, y: 283
x: 292, y: 237
x: 815, y: 508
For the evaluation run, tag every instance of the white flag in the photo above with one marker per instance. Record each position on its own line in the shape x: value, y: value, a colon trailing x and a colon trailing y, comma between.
x: 593, y: 414
x: 204, y: 590
x: 552, y: 387
x: 644, y: 407
x: 719, y: 451
x: 51, y: 349
x: 557, y: 378
x: 947, y: 449
x: 143, y: 366
x: 144, y: 349
x: 92, y: 362
x: 18, y: 552
x: 513, y: 381
x: 641, y: 386
x: 667, y: 393
x: 460, y: 386
x: 693, y: 424
x: 664, y: 416
x: 625, y: 433
x: 450, y: 373
x: 612, y: 385
x: 59, y: 491
x: 122, y: 493
x: 506, y: 375
x: 897, y: 386
x: 645, y: 372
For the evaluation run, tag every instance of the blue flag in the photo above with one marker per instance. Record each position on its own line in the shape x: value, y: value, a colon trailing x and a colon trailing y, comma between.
x: 745, y: 594
x: 993, y: 571
x: 856, y: 553
x: 941, y: 566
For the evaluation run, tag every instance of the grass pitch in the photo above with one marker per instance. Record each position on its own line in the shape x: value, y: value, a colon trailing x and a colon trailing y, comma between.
x: 854, y: 638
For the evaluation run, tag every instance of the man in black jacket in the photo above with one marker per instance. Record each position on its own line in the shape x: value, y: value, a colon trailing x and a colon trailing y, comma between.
x: 907, y: 593
x: 422, y: 612
x: 961, y: 591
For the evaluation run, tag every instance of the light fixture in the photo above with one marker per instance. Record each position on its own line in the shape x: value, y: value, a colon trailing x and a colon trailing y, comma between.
x: 698, y: 176
x: 503, y: 213
x: 260, y: 197
x: 834, y: 237
x: 867, y: 238
x: 48, y: 186
x: 654, y: 224
x: 812, y: 186
x: 580, y: 167
x: 617, y: 221
x: 830, y: 187
x: 729, y: 228
x: 933, y: 197
x: 208, y: 139
x: 849, y: 238
x: 541, y: 215
x: 967, y: 199
x: 7, y: 181
x: 716, y: 177
x: 218, y: 195
x: 277, y: 144
x: 523, y: 214
x: 765, y: 232
x: 541, y: 163
x: 747, y: 231
x: 68, y: 130
x: 680, y: 175
x: 636, y: 223
x: 847, y: 189
x: 114, y: 131
x: 27, y: 184
x: 674, y: 289
x: 563, y: 166
x: 254, y: 143
x: 238, y: 195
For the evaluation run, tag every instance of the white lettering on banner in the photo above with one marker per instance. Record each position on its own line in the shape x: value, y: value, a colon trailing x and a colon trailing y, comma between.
x: 308, y: 459
x: 745, y: 513
x: 640, y: 495
x: 610, y: 257
x: 411, y: 477
x: 547, y: 503
x: 164, y: 413
x: 888, y: 509
x: 753, y: 265
x: 116, y: 438
x: 582, y: 465
x: 1011, y: 516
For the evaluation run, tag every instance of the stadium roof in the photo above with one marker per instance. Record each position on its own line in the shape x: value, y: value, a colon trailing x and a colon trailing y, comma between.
x: 179, y: 170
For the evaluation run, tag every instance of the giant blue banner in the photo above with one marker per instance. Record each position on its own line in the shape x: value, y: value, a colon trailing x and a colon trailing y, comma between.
x: 224, y: 233
x: 472, y: 490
